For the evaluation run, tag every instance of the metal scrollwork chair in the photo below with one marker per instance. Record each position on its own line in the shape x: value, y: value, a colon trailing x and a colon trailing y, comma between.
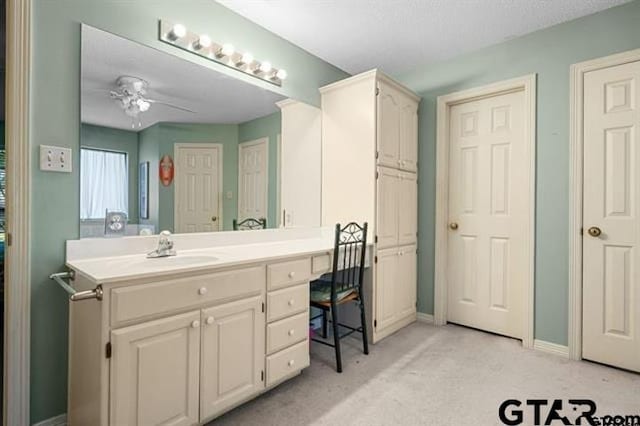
x: 249, y: 224
x: 343, y: 285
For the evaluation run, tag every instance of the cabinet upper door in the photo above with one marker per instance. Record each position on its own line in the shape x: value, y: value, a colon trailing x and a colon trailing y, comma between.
x: 387, y: 207
x: 388, y: 125
x: 233, y: 354
x: 406, y: 282
x: 154, y: 372
x: 386, y: 291
x: 407, y: 208
x: 408, y: 154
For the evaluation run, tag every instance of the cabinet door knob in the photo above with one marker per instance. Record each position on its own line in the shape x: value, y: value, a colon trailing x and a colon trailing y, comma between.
x: 195, y: 324
x: 214, y: 218
x: 291, y: 302
x: 292, y: 274
x: 453, y: 225
x: 291, y: 362
x: 210, y: 320
x: 202, y: 291
x: 291, y: 332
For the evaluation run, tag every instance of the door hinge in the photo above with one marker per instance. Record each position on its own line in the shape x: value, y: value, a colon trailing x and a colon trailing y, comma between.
x: 9, y: 238
x: 107, y: 350
x: 377, y: 175
x: 377, y: 91
x: 262, y: 306
x: 376, y: 239
x: 375, y: 323
x: 262, y: 376
x: 377, y: 154
x: 375, y: 259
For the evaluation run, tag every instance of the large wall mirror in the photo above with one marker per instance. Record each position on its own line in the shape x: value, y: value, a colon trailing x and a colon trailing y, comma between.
x: 169, y: 144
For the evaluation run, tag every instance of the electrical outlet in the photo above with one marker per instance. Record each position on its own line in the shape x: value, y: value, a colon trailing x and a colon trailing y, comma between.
x: 55, y: 159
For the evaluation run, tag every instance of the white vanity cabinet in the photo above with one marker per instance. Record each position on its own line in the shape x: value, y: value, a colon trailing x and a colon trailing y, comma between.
x: 369, y: 173
x: 185, y: 348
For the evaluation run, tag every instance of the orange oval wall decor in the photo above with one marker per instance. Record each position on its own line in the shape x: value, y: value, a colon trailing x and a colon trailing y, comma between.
x: 166, y: 170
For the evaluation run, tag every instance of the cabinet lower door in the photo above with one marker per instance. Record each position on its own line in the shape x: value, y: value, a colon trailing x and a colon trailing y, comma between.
x: 387, y: 207
x: 233, y: 354
x: 407, y: 209
x: 406, y: 282
x: 154, y: 372
x: 386, y: 291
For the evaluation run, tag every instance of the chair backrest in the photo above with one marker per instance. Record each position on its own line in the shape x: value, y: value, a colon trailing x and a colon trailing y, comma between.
x: 249, y: 224
x: 349, y: 254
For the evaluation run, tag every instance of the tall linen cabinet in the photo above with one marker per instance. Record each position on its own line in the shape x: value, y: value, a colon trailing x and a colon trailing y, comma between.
x: 369, y: 173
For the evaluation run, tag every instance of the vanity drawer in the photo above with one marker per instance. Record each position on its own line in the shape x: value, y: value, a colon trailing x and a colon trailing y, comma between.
x: 321, y: 264
x: 286, y: 332
x: 284, y: 274
x: 287, y: 362
x: 144, y: 300
x: 287, y: 302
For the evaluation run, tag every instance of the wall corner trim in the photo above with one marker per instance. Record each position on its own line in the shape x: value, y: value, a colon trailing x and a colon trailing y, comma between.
x: 551, y: 348
x: 425, y: 318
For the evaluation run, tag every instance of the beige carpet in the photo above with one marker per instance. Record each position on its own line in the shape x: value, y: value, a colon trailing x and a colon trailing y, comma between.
x: 426, y: 375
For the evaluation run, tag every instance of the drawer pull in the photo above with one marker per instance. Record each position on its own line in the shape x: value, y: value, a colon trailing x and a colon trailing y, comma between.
x: 292, y: 274
x: 290, y: 363
x: 291, y: 332
x: 202, y: 291
x: 291, y: 302
x: 195, y: 324
x: 210, y: 320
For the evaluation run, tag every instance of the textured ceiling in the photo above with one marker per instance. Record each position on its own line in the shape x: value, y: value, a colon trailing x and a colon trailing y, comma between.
x: 216, y: 98
x: 399, y: 35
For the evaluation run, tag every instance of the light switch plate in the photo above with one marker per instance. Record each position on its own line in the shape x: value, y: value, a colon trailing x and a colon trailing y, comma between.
x: 229, y: 195
x: 55, y: 159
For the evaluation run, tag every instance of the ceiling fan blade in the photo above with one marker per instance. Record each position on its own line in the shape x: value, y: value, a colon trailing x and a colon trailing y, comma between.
x: 155, y: 101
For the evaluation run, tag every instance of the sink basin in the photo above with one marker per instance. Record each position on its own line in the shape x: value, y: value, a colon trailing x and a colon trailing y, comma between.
x: 179, y: 260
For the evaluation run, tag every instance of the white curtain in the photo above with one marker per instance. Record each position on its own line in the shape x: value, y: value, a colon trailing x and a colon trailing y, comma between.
x: 104, y: 183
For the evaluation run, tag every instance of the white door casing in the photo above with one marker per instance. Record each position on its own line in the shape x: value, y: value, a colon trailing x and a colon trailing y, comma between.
x: 198, y: 187
x: 611, y: 281
x: 253, y: 179
x: 578, y: 185
x: 495, y: 218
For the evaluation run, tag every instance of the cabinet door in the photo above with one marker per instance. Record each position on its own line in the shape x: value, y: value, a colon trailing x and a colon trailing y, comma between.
x: 386, y: 291
x: 408, y: 154
x: 406, y: 282
x: 388, y: 125
x: 154, y: 372
x: 407, y: 208
x: 233, y: 354
x: 387, y: 207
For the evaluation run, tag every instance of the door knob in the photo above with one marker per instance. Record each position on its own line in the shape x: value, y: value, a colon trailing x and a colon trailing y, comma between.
x: 214, y: 218
x: 210, y: 320
x: 453, y: 225
x: 594, y: 231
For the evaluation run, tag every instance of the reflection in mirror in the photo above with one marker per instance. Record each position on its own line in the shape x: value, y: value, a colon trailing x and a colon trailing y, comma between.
x: 170, y: 144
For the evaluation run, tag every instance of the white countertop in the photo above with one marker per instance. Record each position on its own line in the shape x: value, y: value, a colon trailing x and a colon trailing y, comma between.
x: 112, y: 269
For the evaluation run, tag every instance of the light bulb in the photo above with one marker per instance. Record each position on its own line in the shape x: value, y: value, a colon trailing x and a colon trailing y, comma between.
x: 265, y: 67
x: 178, y: 31
x: 227, y: 49
x: 246, y: 59
x: 143, y: 105
x: 202, y: 43
x: 281, y: 74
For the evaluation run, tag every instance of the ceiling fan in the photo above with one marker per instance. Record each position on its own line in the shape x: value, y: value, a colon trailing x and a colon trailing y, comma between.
x: 131, y: 96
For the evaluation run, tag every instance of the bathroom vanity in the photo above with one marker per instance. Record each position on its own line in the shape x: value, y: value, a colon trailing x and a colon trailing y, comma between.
x: 180, y: 340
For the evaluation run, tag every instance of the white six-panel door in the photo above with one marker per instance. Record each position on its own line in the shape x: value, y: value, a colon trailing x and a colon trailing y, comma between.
x: 198, y: 180
x: 489, y: 201
x: 611, y: 242
x: 253, y: 179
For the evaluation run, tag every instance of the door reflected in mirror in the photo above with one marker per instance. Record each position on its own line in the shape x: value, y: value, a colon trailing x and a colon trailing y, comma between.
x: 170, y: 144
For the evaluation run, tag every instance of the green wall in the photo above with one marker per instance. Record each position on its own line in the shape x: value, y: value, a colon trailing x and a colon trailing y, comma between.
x: 55, y: 120
x: 549, y: 53
x: 268, y: 126
x: 116, y: 140
x: 148, y: 150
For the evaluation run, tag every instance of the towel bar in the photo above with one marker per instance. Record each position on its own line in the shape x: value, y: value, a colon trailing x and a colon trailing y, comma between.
x: 75, y: 295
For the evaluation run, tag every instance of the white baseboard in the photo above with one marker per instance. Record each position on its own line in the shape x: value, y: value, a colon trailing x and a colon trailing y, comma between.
x: 426, y: 318
x: 60, y: 420
x: 552, y: 348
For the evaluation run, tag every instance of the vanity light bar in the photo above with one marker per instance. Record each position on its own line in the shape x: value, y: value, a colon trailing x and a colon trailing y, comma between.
x: 202, y: 45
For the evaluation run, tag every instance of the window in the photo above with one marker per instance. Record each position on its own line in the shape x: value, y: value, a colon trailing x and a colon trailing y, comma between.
x: 104, y: 183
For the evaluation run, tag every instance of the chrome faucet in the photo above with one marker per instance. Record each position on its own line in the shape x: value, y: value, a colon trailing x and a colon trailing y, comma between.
x: 165, y: 246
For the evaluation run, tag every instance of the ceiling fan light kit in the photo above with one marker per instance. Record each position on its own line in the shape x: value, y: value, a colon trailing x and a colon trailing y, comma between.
x: 201, y: 44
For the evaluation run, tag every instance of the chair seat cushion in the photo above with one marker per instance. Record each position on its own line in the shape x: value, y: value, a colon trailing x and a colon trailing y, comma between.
x: 321, y: 291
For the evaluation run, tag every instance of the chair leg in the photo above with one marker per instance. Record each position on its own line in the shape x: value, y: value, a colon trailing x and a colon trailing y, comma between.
x: 363, y: 320
x: 336, y: 336
x: 324, y: 324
